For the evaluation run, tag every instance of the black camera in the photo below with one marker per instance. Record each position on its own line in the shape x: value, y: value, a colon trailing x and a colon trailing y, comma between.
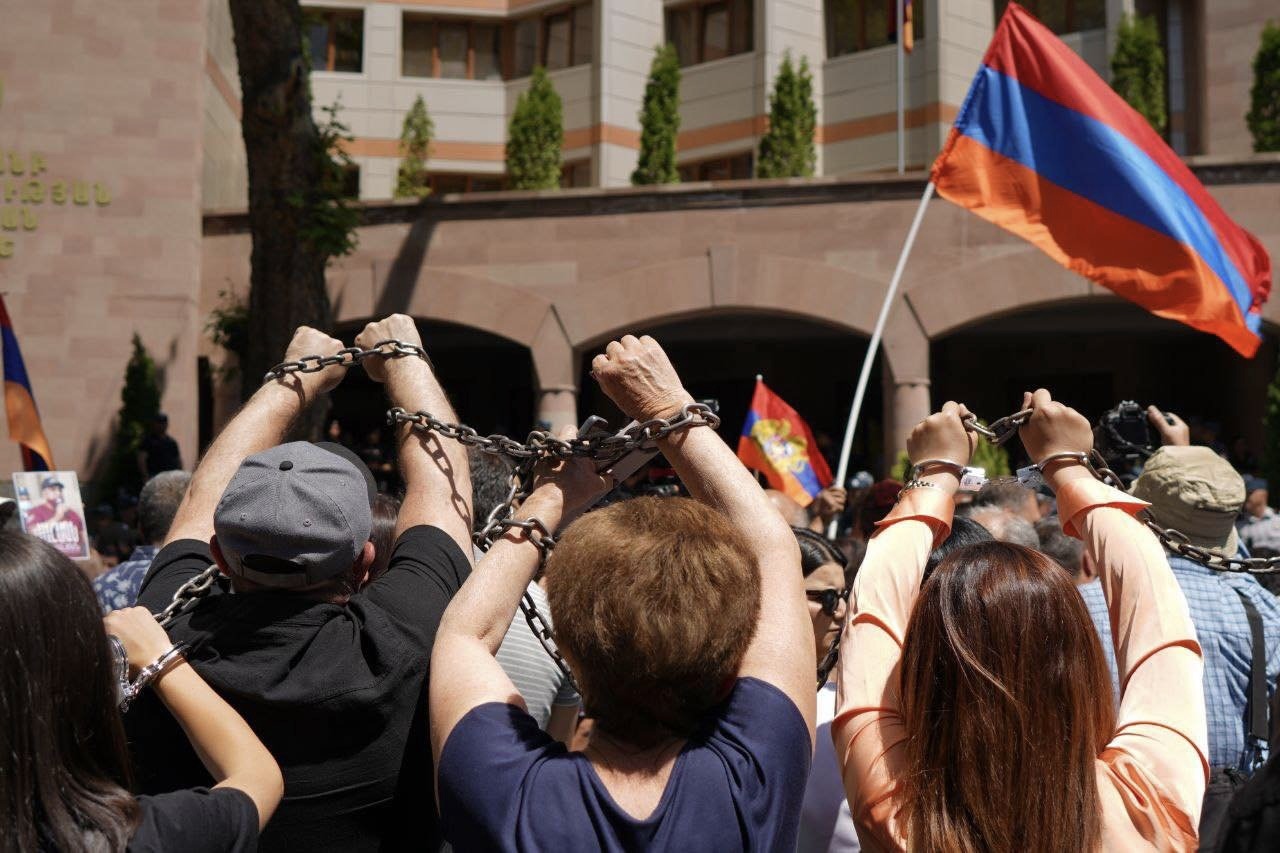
x: 1124, y: 435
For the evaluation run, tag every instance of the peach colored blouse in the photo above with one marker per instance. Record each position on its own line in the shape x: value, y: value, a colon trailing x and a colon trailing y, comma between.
x: 1151, y: 776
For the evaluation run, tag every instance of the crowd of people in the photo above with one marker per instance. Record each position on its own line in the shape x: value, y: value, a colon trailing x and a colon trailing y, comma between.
x: 289, y: 658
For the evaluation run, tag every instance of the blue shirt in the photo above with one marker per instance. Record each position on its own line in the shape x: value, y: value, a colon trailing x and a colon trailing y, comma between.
x: 1222, y: 628
x: 118, y: 588
x: 506, y: 785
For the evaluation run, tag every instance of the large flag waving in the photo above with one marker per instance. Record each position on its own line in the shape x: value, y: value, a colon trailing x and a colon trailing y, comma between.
x: 1045, y: 149
x: 20, y: 403
x: 778, y: 443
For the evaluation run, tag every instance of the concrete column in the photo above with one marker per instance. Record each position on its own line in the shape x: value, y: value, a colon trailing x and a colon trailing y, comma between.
x: 555, y: 369
x: 906, y: 370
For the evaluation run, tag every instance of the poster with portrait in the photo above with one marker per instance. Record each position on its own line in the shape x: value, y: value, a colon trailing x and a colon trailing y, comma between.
x: 51, y: 509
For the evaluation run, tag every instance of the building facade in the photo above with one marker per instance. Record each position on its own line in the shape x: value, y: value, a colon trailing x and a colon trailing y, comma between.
x: 137, y: 121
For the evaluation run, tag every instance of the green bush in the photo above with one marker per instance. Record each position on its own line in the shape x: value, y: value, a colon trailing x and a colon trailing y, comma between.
x: 660, y: 121
x: 535, y: 136
x: 787, y: 149
x: 415, y: 146
x: 139, y: 404
x: 1264, y: 112
x: 1137, y: 69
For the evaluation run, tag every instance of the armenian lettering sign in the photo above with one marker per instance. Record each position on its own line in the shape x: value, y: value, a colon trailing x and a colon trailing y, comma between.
x: 27, y: 185
x: 51, y: 509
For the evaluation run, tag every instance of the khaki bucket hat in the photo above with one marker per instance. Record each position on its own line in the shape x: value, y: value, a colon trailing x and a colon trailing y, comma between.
x: 1196, y: 492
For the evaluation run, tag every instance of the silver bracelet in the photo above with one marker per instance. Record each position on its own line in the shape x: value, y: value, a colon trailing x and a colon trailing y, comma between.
x: 951, y: 465
x: 1074, y: 455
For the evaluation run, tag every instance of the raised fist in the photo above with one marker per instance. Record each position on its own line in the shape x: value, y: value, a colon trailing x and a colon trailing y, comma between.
x: 942, y: 435
x: 309, y: 341
x: 639, y: 378
x: 397, y: 327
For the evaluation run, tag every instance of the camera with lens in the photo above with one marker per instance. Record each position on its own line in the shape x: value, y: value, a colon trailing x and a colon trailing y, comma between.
x: 1123, y: 435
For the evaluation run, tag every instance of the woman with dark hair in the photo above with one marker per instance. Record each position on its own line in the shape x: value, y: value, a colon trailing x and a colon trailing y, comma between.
x: 975, y: 711
x: 684, y: 623
x: 63, y: 757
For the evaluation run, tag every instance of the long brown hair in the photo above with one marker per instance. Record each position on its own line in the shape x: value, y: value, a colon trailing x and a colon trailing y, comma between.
x: 63, y: 755
x: 1007, y: 703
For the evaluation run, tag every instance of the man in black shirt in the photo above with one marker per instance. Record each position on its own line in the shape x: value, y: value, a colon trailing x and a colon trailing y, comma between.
x: 158, y: 452
x: 333, y: 680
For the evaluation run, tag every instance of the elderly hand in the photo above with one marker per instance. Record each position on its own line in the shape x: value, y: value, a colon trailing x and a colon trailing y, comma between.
x: 140, y: 634
x: 639, y: 378
x: 575, y: 481
x: 942, y: 435
x: 398, y: 327
x: 1176, y: 434
x: 309, y: 341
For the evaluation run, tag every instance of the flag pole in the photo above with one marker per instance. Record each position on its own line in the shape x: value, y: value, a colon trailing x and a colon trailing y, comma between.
x: 902, y: 146
x: 861, y: 391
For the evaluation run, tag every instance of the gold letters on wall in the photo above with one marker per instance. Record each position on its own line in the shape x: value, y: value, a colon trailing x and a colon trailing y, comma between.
x: 25, y: 186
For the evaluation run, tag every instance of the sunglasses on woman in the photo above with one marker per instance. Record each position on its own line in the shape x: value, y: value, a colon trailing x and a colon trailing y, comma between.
x: 829, y: 598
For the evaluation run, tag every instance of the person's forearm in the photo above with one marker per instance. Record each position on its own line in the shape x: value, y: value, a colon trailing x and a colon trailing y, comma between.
x: 412, y: 385
x: 227, y: 747
x: 713, y: 475
x: 486, y: 604
x: 263, y: 422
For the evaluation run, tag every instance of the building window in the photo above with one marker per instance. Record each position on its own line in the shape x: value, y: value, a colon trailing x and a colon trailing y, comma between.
x: 335, y: 39
x: 575, y: 174
x: 731, y: 168
x: 1064, y: 16
x: 450, y: 48
x: 448, y: 182
x: 706, y: 30
x: 351, y: 181
x: 854, y: 25
x: 558, y: 38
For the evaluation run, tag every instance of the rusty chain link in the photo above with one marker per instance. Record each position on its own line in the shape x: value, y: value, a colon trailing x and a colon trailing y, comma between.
x: 347, y: 357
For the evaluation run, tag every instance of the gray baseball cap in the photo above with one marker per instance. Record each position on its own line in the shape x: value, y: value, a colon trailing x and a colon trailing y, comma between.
x: 293, y: 515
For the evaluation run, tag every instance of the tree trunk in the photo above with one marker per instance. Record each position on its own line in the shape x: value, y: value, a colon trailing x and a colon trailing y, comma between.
x: 287, y: 286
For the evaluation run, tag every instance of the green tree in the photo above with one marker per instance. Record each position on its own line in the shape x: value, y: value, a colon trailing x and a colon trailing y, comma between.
x: 660, y: 121
x: 415, y: 145
x: 1137, y: 69
x: 139, y: 404
x: 535, y: 136
x: 787, y: 149
x: 1264, y: 111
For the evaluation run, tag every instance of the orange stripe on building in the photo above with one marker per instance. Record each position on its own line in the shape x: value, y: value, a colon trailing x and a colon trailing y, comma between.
x: 222, y: 84
x: 1159, y: 273
x: 843, y: 131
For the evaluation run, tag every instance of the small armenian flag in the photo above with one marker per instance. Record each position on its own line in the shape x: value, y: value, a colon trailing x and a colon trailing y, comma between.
x: 777, y: 442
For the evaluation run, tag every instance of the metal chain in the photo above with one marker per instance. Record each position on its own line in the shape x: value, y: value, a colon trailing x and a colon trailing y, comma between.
x: 1174, y: 541
x: 189, y: 592
x: 541, y: 445
x: 348, y: 357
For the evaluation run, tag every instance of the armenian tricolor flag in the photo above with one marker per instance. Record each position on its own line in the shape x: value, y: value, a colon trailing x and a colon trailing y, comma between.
x: 776, y: 441
x: 1045, y: 149
x: 20, y: 403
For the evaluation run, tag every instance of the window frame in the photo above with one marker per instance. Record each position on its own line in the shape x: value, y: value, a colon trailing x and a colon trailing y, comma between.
x: 330, y: 15
x: 861, y: 39
x: 1069, y: 17
x: 435, y: 22
x: 694, y: 172
x: 542, y: 20
x: 698, y: 11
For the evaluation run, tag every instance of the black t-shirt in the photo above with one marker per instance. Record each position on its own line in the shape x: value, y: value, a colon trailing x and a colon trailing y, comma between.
x: 336, y: 693
x: 221, y: 820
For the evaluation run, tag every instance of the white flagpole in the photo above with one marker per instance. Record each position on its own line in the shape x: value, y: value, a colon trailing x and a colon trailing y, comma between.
x: 872, y: 347
x: 902, y: 141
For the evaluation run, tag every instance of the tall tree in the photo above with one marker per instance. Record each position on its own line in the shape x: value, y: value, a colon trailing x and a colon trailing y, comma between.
x: 1137, y: 69
x: 535, y: 136
x: 415, y: 145
x: 787, y: 149
x: 660, y: 121
x: 297, y: 216
x: 1264, y: 111
x: 139, y: 405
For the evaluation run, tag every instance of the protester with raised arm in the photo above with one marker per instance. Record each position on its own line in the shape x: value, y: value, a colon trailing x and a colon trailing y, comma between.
x: 329, y: 671
x: 975, y: 712
x: 684, y: 622
x: 64, y: 773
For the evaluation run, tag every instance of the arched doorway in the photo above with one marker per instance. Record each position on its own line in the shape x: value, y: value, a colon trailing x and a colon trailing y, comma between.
x: 812, y: 365
x: 1095, y: 353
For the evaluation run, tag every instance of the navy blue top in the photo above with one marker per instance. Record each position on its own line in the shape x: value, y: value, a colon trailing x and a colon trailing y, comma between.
x: 506, y: 785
